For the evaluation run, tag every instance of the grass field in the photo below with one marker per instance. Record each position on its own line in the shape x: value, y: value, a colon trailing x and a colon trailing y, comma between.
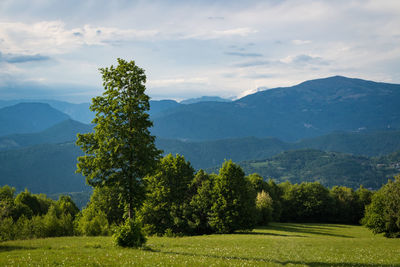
x: 277, y: 245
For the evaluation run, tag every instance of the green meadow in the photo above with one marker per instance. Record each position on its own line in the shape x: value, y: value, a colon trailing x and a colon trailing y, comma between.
x: 280, y: 244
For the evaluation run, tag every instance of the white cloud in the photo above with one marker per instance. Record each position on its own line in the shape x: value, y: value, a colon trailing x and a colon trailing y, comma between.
x: 215, y: 34
x: 53, y: 37
x: 201, y: 47
x: 176, y: 81
x: 301, y: 42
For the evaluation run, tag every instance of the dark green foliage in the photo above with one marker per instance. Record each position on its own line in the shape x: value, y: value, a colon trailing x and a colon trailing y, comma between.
x: 168, y: 197
x: 306, y: 202
x: 347, y: 206
x: 201, y: 190
x: 129, y: 234
x: 121, y: 150
x: 31, y: 201
x: 66, y: 206
x: 257, y: 182
x: 275, y: 192
x: 107, y: 200
x: 364, y: 199
x: 383, y: 214
x: 234, y: 201
x: 81, y: 199
x: 33, y: 216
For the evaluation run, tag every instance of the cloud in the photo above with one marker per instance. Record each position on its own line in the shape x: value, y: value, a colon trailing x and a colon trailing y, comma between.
x: 177, y: 41
x: 305, y: 59
x: 55, y: 37
x: 215, y: 18
x: 259, y: 76
x: 217, y: 34
x: 301, y: 42
x: 177, y: 81
x: 252, y: 63
x: 242, y: 54
x: 15, y: 58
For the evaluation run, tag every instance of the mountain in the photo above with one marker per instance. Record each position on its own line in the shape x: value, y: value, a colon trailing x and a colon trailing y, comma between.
x: 64, y: 131
x: 328, y: 168
x: 310, y: 109
x: 82, y: 113
x: 29, y: 118
x: 48, y: 168
x: 207, y: 154
x: 157, y: 107
x: 369, y: 143
x: 204, y: 99
x: 79, y: 112
x: 212, y: 153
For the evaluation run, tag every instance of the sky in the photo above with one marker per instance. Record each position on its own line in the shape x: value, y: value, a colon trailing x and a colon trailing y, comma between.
x: 53, y: 49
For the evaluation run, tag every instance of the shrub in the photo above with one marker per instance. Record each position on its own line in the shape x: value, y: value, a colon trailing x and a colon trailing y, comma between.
x: 92, y: 222
x: 7, y: 229
x: 264, y: 207
x: 129, y: 234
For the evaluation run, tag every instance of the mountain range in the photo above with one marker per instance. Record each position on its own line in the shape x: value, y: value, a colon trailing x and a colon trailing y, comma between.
x: 334, y: 115
x: 310, y: 109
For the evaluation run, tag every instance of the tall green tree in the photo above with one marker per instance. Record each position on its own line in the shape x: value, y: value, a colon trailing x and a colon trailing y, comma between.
x: 234, y: 200
x: 201, y: 190
x: 121, y: 150
x: 168, y: 197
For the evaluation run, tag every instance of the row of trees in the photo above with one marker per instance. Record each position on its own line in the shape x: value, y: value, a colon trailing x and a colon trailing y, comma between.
x: 181, y: 202
x: 28, y: 215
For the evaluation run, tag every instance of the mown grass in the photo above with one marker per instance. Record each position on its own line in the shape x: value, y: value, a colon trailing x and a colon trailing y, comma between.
x: 276, y: 245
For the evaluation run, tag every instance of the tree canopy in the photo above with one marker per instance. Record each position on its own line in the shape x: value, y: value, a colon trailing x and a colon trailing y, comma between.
x: 121, y: 150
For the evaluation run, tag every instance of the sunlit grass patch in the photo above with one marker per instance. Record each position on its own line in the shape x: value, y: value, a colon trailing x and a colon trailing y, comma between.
x: 276, y: 245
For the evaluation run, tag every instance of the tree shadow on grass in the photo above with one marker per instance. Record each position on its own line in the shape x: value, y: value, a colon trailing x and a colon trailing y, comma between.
x: 311, y: 263
x: 267, y: 234
x: 306, y: 229
x: 5, y: 248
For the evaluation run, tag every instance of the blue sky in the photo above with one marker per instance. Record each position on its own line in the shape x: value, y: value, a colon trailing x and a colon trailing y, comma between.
x: 53, y: 49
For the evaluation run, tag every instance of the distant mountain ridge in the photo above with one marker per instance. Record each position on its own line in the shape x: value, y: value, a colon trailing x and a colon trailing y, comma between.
x: 207, y: 154
x: 310, y: 109
x: 79, y: 112
x: 204, y: 99
x: 29, y: 118
x: 64, y: 131
x: 50, y: 168
x: 335, y: 114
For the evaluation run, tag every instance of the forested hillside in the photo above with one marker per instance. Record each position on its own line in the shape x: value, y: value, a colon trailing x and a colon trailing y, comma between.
x: 64, y: 131
x: 328, y: 168
x: 48, y: 168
